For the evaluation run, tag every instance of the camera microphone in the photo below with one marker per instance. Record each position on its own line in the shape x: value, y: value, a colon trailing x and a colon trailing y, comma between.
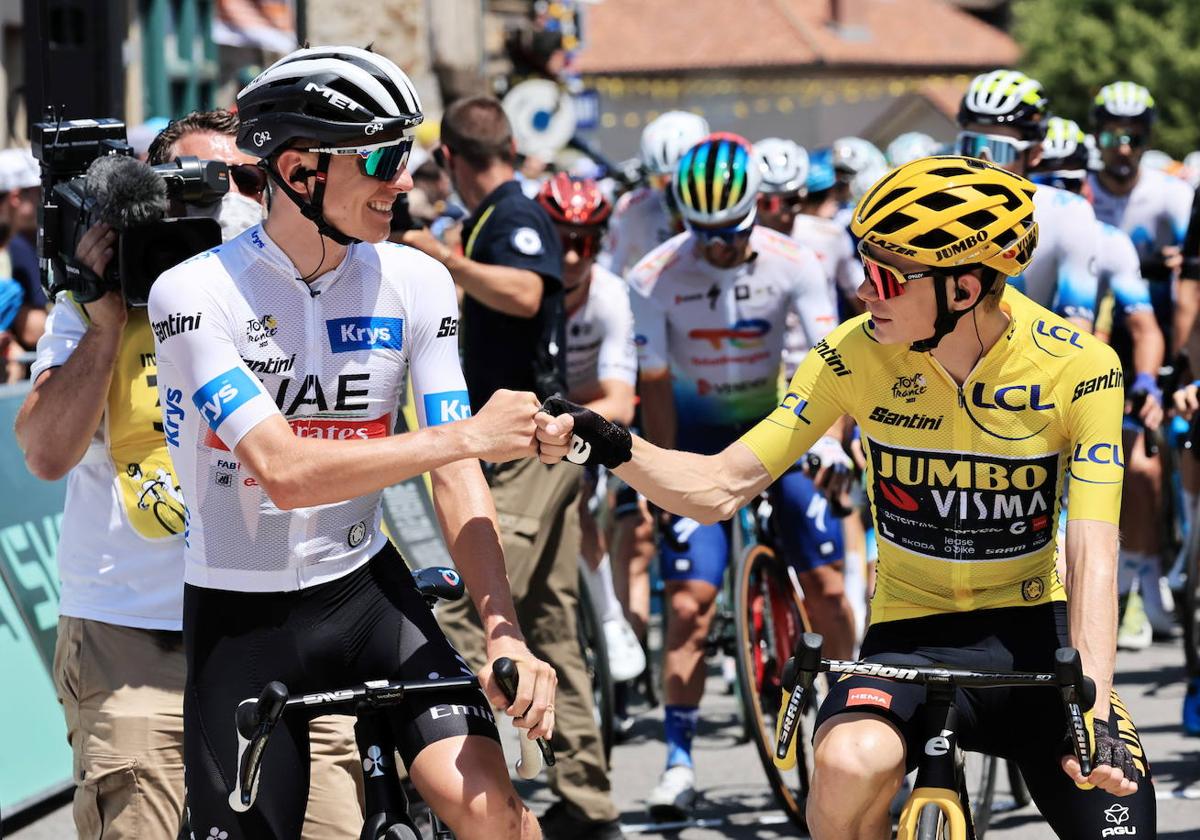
x: 127, y: 192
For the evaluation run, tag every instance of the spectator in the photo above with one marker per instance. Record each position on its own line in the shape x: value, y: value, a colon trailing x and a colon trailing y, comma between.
x: 20, y: 195
x: 513, y: 336
x: 119, y: 668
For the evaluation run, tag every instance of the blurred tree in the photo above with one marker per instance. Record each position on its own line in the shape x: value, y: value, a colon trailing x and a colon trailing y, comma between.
x: 1074, y: 48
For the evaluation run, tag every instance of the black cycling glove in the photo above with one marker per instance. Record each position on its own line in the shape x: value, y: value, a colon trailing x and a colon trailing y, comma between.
x: 596, y: 441
x: 1111, y: 750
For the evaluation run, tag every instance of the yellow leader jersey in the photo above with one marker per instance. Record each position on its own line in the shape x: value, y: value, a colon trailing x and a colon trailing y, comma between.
x: 965, y: 480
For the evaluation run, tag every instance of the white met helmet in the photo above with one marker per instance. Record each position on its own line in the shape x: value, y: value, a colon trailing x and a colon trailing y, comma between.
x: 861, y: 160
x: 667, y: 137
x: 911, y: 145
x: 784, y: 165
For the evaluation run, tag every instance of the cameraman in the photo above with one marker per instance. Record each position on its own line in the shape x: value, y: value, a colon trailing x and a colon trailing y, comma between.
x: 119, y: 668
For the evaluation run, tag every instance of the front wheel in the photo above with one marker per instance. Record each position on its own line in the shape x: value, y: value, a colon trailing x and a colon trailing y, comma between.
x: 979, y: 778
x: 931, y: 824
x: 595, y: 660
x: 769, y: 619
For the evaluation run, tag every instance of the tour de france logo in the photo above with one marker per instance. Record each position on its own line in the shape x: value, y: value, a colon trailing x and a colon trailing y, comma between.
x: 909, y: 388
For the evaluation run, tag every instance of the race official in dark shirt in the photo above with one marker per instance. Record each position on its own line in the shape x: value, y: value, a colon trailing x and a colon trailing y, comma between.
x: 502, y: 350
x: 513, y: 336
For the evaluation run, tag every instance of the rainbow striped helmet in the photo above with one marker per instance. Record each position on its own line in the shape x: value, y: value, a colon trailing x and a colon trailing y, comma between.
x: 716, y: 182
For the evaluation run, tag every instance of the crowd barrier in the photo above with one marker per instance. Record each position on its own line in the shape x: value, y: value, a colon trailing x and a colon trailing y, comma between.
x: 36, y: 760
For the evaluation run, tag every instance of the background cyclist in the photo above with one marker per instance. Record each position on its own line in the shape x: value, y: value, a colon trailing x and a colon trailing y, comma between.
x: 1152, y: 207
x: 710, y: 307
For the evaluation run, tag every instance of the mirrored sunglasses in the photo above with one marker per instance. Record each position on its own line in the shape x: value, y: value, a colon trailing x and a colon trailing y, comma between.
x: 996, y: 148
x: 888, y: 280
x: 381, y: 161
x: 1116, y: 139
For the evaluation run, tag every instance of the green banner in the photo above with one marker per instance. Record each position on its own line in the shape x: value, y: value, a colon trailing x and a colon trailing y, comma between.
x: 36, y: 758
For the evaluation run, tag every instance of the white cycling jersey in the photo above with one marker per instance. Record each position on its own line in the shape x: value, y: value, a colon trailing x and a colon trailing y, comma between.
x: 1154, y: 213
x: 1062, y: 276
x: 835, y: 250
x: 600, y: 336
x: 720, y: 331
x: 240, y: 339
x: 641, y: 222
x: 1120, y: 271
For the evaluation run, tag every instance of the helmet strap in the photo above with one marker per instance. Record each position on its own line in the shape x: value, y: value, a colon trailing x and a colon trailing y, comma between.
x: 311, y: 210
x: 947, y: 319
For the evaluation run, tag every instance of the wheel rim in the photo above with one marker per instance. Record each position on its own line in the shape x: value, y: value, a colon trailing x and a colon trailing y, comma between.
x: 764, y: 644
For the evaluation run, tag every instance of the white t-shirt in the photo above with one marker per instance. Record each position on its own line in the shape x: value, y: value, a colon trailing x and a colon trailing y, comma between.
x: 834, y: 247
x: 108, y: 572
x: 240, y: 339
x: 600, y: 336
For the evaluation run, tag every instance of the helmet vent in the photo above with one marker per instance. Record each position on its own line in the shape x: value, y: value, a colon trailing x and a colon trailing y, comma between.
x: 979, y: 219
x: 893, y: 223
x: 940, y: 201
x: 933, y: 239
x: 1011, y: 201
x: 950, y: 171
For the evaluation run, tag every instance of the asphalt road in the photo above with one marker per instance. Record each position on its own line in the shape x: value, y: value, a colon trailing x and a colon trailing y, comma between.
x: 736, y: 803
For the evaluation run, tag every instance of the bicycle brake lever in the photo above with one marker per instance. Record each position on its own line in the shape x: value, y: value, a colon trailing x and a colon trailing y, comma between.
x: 255, y: 719
x: 1068, y: 667
x: 798, y: 675
x: 533, y: 754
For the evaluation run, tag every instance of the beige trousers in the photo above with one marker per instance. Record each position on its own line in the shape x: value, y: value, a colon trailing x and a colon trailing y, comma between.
x: 121, y: 690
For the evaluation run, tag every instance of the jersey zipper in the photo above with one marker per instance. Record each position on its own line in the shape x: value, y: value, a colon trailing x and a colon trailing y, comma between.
x: 960, y: 569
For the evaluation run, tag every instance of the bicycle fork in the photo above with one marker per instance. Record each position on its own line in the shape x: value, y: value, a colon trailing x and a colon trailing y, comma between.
x: 939, y: 777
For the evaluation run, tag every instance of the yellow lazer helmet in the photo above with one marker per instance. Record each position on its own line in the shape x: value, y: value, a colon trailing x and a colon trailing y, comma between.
x: 951, y: 212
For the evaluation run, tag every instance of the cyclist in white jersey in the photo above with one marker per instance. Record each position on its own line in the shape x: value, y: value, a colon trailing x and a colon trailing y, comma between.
x: 281, y: 357
x: 602, y: 374
x: 784, y: 167
x: 817, y: 227
x: 1003, y: 118
x: 710, y: 309
x: 643, y: 218
x: 1153, y: 208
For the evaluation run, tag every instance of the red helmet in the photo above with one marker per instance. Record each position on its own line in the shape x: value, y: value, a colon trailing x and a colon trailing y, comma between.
x: 574, y: 201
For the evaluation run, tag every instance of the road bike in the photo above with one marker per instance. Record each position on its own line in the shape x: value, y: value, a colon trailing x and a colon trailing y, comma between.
x: 387, y: 809
x: 940, y: 805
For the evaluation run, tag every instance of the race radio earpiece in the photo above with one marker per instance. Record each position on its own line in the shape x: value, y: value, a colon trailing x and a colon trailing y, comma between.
x: 960, y: 293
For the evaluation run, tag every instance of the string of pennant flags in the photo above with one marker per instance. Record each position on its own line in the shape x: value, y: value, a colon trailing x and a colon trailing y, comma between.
x: 754, y: 96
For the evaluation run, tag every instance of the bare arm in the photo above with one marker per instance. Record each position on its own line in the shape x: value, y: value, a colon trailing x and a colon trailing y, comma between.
x: 1149, y: 346
x: 659, y: 421
x: 707, y: 488
x: 303, y: 472
x: 1092, y: 607
x: 1187, y: 305
x: 70, y: 400
x: 513, y: 291
x: 613, y: 399
x: 468, y: 519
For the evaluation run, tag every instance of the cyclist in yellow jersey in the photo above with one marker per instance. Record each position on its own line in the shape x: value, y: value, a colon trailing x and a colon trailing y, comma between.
x: 974, y: 403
